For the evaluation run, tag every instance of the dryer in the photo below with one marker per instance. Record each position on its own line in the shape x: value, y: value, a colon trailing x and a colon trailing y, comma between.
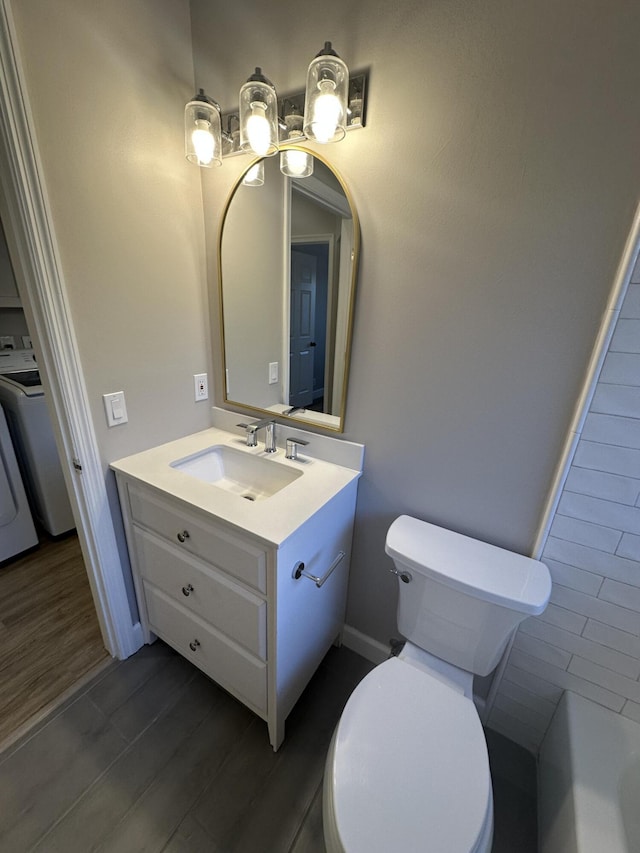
x: 22, y: 397
x: 17, y: 532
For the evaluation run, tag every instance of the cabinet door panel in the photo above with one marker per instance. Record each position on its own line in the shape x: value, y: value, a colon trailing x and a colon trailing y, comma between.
x: 224, y: 661
x: 213, y: 544
x: 204, y: 591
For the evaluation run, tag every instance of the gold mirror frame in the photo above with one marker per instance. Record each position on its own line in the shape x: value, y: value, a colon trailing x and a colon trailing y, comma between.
x: 304, y: 417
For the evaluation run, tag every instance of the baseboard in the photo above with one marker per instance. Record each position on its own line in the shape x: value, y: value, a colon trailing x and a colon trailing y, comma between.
x: 138, y: 637
x: 360, y: 643
x: 135, y: 641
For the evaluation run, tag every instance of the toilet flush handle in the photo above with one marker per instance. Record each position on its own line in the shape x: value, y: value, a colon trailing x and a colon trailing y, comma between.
x: 405, y: 577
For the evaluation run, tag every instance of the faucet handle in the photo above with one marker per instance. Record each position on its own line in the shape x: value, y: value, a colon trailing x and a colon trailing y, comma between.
x: 252, y: 434
x: 292, y: 447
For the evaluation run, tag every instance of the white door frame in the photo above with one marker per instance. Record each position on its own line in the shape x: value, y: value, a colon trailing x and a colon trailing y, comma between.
x: 30, y: 234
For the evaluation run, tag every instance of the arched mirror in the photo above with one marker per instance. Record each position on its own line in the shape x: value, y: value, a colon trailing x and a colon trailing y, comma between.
x: 288, y: 258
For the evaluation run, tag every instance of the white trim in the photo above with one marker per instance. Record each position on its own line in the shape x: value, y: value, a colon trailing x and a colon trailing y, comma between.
x: 600, y: 348
x: 365, y: 646
x: 27, y: 217
x: 332, y: 200
x: 10, y: 302
x: 137, y: 637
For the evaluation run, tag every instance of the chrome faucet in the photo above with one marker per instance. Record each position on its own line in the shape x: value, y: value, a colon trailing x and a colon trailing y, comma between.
x: 270, y: 434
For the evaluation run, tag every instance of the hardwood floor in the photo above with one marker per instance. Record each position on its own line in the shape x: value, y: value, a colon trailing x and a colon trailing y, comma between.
x: 49, y: 633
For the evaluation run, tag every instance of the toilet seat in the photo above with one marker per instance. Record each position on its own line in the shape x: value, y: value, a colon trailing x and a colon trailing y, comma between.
x: 408, y: 769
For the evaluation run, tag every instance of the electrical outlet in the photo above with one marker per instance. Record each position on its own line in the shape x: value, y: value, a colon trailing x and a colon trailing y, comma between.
x: 7, y: 342
x: 201, y: 386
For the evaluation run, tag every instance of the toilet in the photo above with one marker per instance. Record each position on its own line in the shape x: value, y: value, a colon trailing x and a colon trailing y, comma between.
x: 407, y: 769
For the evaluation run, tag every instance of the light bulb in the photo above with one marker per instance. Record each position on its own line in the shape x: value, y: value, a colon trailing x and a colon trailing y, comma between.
x: 255, y: 175
x: 258, y: 129
x: 325, y: 103
x: 203, y: 142
x: 297, y: 163
x: 326, y: 112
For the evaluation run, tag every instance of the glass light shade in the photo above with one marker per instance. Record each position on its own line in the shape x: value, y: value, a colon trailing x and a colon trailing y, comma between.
x: 258, y: 116
x: 325, y: 106
x: 295, y: 163
x: 255, y: 175
x: 202, y: 134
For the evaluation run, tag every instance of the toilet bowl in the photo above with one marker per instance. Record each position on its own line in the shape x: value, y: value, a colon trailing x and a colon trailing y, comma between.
x: 407, y: 768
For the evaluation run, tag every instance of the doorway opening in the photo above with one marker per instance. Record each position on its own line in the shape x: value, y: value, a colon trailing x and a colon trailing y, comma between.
x: 30, y: 233
x: 309, y: 323
x: 50, y: 636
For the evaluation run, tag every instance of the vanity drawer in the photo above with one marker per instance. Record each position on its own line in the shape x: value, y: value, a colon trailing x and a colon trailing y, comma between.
x: 210, y: 594
x: 214, y: 545
x: 221, y: 659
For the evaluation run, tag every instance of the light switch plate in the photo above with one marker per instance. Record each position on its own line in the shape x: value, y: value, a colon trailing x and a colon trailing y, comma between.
x: 273, y: 372
x: 115, y: 408
x: 201, y: 386
x: 26, y: 342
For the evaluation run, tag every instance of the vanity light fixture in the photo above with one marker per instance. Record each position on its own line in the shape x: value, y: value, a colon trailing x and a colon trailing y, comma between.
x: 259, y: 116
x: 333, y: 103
x: 202, y: 132
x: 255, y: 175
x: 325, y: 103
x: 231, y: 137
x: 356, y: 102
x: 293, y: 162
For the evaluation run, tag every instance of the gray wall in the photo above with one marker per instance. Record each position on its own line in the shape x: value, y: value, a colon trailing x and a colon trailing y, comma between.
x: 107, y: 83
x: 253, y: 271
x: 496, y: 182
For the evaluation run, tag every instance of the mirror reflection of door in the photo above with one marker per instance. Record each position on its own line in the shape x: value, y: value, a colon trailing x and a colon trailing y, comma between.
x: 310, y: 263
x: 302, y: 328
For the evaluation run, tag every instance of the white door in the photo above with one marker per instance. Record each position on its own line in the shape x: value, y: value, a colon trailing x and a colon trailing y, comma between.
x: 302, y: 326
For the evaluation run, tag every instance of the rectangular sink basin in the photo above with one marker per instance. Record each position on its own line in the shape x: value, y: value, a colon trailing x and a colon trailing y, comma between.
x: 252, y: 477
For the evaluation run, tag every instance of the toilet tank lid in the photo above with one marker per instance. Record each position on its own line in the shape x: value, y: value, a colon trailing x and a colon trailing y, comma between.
x: 482, y: 570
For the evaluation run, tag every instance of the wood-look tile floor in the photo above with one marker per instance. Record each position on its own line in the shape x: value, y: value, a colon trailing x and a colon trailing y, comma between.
x: 49, y: 633
x: 153, y: 756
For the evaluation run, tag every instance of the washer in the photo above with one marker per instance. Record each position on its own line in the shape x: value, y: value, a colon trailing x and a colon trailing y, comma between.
x: 22, y: 397
x: 17, y: 532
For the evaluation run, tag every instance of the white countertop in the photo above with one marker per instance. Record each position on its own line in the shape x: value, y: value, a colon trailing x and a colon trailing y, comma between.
x: 272, y: 519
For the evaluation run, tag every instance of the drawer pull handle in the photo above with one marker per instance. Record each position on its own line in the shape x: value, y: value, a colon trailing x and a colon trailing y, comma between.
x: 182, y: 537
x: 187, y: 590
x: 194, y: 644
x: 299, y: 572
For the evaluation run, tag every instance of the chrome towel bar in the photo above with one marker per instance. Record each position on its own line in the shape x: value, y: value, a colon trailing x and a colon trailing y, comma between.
x: 299, y: 572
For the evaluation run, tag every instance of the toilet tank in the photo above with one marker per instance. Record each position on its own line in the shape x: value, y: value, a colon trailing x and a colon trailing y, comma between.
x: 463, y: 598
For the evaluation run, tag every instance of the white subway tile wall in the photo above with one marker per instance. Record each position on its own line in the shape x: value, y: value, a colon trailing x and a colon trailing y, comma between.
x: 588, y: 639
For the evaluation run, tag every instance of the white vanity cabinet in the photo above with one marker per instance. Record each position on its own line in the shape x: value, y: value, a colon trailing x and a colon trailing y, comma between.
x: 227, y: 599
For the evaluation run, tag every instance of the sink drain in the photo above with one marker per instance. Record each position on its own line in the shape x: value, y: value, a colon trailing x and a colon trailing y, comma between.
x: 248, y: 497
